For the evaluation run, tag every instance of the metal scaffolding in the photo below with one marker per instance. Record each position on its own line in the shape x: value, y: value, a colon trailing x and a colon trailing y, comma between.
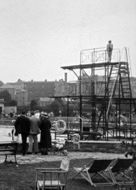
x: 104, y: 94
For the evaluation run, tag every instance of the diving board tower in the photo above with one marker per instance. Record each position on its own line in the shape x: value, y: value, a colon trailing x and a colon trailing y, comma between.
x: 108, y: 91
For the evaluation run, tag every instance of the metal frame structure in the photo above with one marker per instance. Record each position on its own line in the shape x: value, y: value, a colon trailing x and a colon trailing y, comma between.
x: 108, y: 92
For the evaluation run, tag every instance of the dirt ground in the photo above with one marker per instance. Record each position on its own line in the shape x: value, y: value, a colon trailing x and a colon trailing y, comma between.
x: 22, y: 176
x: 37, y: 158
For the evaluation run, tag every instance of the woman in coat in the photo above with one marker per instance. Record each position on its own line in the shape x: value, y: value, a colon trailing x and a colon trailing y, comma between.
x: 45, y: 126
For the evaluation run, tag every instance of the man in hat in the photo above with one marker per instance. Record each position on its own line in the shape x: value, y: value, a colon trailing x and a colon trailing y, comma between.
x: 22, y: 126
x: 45, y: 126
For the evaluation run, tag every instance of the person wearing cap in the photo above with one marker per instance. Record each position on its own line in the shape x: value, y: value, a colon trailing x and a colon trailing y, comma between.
x: 45, y: 140
x: 109, y: 49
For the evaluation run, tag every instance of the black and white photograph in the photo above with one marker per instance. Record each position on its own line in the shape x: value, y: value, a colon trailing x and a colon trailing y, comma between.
x: 67, y: 95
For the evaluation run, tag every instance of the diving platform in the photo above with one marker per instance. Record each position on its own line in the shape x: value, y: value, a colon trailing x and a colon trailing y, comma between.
x: 93, y: 65
x: 102, y: 90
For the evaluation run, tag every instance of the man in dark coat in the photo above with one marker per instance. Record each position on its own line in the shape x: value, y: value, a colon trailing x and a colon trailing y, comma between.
x: 45, y: 126
x: 22, y: 126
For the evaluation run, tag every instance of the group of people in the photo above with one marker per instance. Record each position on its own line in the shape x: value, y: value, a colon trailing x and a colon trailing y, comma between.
x: 30, y: 127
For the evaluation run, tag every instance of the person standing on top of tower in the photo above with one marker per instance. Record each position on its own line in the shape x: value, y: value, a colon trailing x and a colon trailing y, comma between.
x: 109, y: 50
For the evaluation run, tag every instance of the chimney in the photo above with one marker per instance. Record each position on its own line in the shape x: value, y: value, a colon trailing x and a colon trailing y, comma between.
x: 65, y: 77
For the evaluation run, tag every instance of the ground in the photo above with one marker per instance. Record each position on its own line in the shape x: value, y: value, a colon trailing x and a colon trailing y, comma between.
x: 22, y: 176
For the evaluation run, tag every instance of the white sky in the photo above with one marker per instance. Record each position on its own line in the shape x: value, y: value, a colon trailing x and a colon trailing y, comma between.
x: 37, y: 37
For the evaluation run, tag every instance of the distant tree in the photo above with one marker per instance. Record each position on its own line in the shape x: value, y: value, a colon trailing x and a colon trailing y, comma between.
x: 23, y: 108
x: 1, y: 83
x: 55, y: 107
x: 12, y: 103
x: 33, y: 105
x: 6, y: 96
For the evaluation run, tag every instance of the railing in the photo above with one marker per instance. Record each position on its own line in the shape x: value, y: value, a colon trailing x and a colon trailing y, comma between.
x: 98, y: 55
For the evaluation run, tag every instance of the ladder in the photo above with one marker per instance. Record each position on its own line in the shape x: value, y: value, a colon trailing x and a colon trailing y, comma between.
x: 111, y: 85
x: 119, y: 74
x: 125, y: 84
x: 110, y: 89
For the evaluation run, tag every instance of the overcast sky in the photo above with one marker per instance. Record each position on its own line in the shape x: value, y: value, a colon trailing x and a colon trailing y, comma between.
x: 37, y: 37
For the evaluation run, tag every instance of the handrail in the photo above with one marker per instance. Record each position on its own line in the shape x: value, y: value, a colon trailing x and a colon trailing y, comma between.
x: 98, y: 55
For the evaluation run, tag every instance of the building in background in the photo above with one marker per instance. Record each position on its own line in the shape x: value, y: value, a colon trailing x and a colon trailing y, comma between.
x: 42, y: 91
x: 38, y: 89
x: 17, y: 93
x: 22, y: 97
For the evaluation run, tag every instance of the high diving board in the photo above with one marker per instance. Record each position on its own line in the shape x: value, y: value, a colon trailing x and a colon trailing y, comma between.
x: 93, y: 65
